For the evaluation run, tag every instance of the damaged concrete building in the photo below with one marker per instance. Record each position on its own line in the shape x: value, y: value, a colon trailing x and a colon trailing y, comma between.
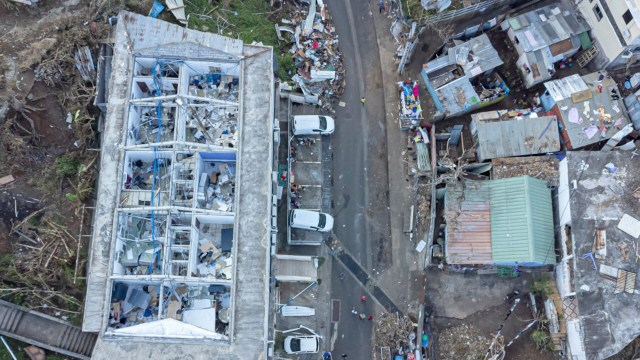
x: 599, y: 229
x: 182, y: 228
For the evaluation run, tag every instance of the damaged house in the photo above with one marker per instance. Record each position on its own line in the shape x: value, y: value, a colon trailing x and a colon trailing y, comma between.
x: 589, y: 109
x: 599, y: 229
x: 499, y: 222
x: 180, y: 231
x: 463, y: 80
x: 500, y: 134
x: 543, y: 37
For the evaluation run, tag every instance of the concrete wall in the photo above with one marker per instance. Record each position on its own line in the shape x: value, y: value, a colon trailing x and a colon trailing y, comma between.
x: 604, y: 33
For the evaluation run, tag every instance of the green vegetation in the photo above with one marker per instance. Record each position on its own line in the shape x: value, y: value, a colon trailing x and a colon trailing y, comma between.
x: 248, y: 20
x: 321, y: 260
x: 66, y: 165
x: 279, y: 341
x: 542, y: 286
x: 542, y: 340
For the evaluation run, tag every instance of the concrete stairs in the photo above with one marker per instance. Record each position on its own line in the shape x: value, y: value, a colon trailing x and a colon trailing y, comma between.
x: 44, y: 331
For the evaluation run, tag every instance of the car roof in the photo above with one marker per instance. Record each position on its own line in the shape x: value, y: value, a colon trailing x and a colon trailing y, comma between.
x: 308, y: 343
x: 306, y: 217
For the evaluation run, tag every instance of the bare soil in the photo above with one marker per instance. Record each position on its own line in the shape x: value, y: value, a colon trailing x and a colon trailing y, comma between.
x: 51, y: 159
x: 485, y: 324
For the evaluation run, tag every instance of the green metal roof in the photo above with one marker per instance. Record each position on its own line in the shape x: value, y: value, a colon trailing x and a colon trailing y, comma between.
x: 521, y: 221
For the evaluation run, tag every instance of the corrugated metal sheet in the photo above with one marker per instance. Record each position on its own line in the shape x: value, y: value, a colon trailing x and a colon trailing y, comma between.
x: 499, y: 222
x: 515, y: 137
x: 521, y: 221
x: 457, y: 96
x: 468, y: 232
x: 482, y: 57
x: 563, y: 88
x: 545, y: 26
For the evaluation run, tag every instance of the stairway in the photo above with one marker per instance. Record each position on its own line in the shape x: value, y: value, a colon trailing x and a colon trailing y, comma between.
x: 586, y: 56
x: 45, y: 331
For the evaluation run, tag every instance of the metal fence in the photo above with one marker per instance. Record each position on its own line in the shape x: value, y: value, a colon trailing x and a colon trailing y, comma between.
x: 449, y: 15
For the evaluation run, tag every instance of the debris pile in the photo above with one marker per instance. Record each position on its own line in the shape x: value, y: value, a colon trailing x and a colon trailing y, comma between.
x: 462, y: 342
x: 396, y: 332
x: 314, y: 51
x: 410, y: 108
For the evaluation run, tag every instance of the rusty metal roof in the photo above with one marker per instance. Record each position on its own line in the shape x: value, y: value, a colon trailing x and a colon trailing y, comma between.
x: 505, y: 221
x: 468, y: 234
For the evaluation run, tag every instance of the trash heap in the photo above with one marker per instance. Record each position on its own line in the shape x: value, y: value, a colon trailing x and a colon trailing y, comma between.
x: 314, y: 51
x: 396, y: 332
x: 462, y: 342
x: 410, y: 109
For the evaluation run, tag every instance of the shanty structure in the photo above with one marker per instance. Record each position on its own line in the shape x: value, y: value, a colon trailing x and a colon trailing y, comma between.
x: 179, y: 258
x: 543, y: 37
x: 499, y: 134
x: 463, y: 80
x: 599, y: 225
x: 590, y: 108
x: 499, y: 222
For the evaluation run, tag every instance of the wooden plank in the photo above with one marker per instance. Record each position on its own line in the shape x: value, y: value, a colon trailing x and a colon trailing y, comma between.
x: 581, y: 96
x: 6, y: 180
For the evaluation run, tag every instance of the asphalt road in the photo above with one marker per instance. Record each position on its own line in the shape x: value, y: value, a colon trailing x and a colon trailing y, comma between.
x: 360, y: 179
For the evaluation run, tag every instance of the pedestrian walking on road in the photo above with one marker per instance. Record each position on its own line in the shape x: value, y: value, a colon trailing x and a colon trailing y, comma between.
x: 362, y: 100
x: 381, y: 6
x: 363, y: 298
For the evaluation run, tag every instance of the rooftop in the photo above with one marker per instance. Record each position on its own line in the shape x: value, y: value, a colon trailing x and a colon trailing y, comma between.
x: 449, y: 78
x: 599, y: 199
x: 180, y: 168
x: 504, y: 222
x: 590, y: 109
x: 499, y: 135
x: 545, y: 26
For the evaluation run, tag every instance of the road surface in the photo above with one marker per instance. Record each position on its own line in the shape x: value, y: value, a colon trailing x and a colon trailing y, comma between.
x: 360, y: 179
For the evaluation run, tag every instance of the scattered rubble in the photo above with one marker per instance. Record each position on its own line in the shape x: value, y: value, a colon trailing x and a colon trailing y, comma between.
x: 314, y: 51
x: 394, y: 331
x: 541, y: 167
x: 462, y: 342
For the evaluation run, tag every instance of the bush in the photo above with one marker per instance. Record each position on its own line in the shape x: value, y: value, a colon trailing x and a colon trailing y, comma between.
x: 541, y: 339
x: 542, y: 287
x: 66, y: 165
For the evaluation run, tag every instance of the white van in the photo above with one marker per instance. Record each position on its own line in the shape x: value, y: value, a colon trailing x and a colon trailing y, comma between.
x: 301, y: 344
x: 310, y: 220
x: 313, y: 125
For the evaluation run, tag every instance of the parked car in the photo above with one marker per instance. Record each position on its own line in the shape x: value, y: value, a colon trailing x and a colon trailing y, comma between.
x: 313, y: 125
x: 310, y: 220
x: 301, y: 344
